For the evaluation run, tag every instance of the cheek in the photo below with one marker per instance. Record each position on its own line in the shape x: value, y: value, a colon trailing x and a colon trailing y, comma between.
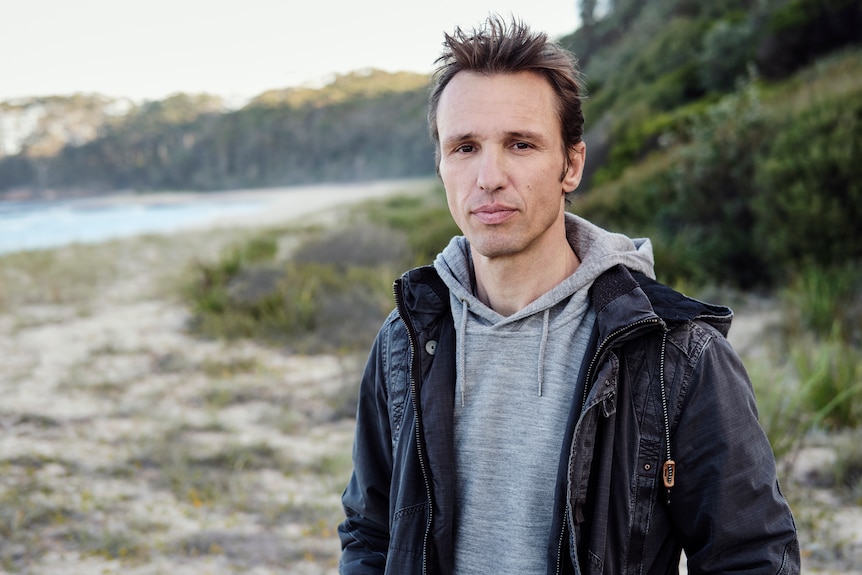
x: 452, y: 202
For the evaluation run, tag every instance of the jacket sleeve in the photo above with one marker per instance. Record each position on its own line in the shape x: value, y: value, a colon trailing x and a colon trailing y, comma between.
x: 365, y: 532
x: 726, y: 505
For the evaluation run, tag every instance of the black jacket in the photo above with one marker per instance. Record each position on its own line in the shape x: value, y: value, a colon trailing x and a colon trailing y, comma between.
x: 659, y: 368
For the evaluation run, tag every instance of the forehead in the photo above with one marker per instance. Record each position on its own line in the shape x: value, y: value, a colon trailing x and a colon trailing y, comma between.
x: 474, y: 102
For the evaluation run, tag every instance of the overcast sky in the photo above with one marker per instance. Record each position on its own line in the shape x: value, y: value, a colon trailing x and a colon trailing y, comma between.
x: 233, y: 48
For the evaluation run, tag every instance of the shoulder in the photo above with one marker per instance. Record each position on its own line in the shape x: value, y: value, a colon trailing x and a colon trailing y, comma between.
x: 676, y: 308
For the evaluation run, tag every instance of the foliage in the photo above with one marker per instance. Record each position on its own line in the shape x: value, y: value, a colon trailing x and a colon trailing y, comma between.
x: 831, y: 372
x: 713, y: 189
x: 818, y: 384
x: 819, y: 388
x: 333, y: 291
x: 748, y: 189
x: 815, y: 381
x: 641, y: 131
x: 796, y: 32
x: 726, y: 54
x: 360, y: 85
x: 424, y: 219
x: 809, y: 204
x: 360, y: 127
x: 827, y: 302
x: 781, y: 403
x: 306, y: 306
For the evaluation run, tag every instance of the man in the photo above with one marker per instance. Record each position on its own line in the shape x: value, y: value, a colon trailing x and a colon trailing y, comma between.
x: 537, y: 403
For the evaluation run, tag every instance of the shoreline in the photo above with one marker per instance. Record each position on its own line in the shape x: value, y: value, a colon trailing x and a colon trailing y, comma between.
x: 55, y: 223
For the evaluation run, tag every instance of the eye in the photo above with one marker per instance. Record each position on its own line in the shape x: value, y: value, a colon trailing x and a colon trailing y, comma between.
x: 522, y: 146
x: 466, y: 148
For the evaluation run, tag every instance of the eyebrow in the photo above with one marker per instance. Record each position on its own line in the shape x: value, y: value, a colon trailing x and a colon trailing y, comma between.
x: 459, y: 138
x: 527, y: 135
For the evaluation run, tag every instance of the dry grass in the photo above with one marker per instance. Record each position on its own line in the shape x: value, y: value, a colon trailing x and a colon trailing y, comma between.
x: 130, y: 446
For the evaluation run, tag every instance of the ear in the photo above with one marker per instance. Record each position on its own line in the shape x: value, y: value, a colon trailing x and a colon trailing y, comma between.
x: 575, y: 167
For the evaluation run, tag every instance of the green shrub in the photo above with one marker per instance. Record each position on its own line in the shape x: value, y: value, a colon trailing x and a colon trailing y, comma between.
x: 425, y: 220
x: 307, y: 306
x: 809, y: 178
x: 799, y: 31
x: 827, y: 301
x: 713, y: 184
x: 695, y: 200
x: 726, y: 54
x: 336, y: 288
x: 632, y: 203
x: 781, y: 404
x: 831, y: 372
x: 820, y: 387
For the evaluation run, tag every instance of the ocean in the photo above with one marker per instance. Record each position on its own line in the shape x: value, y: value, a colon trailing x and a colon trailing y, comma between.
x: 33, y: 225
x: 48, y: 224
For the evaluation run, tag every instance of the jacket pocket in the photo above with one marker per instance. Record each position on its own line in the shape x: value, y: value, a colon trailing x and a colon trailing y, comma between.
x: 409, y: 525
x: 398, y: 382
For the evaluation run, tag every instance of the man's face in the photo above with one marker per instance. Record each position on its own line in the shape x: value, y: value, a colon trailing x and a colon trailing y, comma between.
x: 502, y: 162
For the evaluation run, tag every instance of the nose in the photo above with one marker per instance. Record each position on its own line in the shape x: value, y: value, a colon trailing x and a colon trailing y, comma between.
x: 492, y: 173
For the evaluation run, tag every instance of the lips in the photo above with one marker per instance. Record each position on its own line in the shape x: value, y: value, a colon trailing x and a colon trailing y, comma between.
x: 494, y: 213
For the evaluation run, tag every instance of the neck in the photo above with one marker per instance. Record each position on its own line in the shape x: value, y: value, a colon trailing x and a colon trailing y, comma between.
x: 508, y: 284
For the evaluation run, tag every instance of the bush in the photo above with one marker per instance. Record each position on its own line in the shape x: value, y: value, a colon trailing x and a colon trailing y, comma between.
x: 831, y: 372
x: 781, y: 405
x: 425, y: 220
x: 801, y: 30
x: 821, y: 324
x: 713, y: 183
x: 809, y: 205
x: 820, y: 387
x: 726, y: 54
x: 827, y: 302
x: 336, y: 288
x: 309, y: 304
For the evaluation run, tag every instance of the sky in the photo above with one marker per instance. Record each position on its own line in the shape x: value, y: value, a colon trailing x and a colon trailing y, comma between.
x: 234, y: 49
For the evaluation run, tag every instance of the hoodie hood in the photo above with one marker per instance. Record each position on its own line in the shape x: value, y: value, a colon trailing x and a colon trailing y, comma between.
x: 597, y: 249
x: 564, y: 306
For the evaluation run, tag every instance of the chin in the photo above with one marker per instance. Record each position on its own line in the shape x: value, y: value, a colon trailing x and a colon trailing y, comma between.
x: 492, y: 249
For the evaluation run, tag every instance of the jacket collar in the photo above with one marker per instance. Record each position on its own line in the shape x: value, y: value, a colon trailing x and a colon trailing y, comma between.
x: 619, y: 296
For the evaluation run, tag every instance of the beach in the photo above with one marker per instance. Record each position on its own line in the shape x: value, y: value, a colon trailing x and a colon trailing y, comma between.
x: 130, y: 445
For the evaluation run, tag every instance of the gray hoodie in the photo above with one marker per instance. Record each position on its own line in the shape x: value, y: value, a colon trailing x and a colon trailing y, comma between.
x: 515, y: 386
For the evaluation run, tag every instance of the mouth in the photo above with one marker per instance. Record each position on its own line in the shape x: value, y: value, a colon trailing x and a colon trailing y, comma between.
x: 493, y: 214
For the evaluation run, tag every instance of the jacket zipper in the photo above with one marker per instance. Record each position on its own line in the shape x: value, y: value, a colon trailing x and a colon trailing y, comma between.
x: 587, y: 386
x: 601, y: 349
x: 562, y: 540
x: 416, y: 414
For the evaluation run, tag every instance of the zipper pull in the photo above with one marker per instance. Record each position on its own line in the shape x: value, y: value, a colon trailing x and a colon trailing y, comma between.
x: 668, y: 473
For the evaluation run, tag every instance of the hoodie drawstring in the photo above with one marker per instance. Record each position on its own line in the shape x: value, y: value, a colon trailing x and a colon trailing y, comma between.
x: 543, y: 346
x: 462, y: 353
x: 462, y: 349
